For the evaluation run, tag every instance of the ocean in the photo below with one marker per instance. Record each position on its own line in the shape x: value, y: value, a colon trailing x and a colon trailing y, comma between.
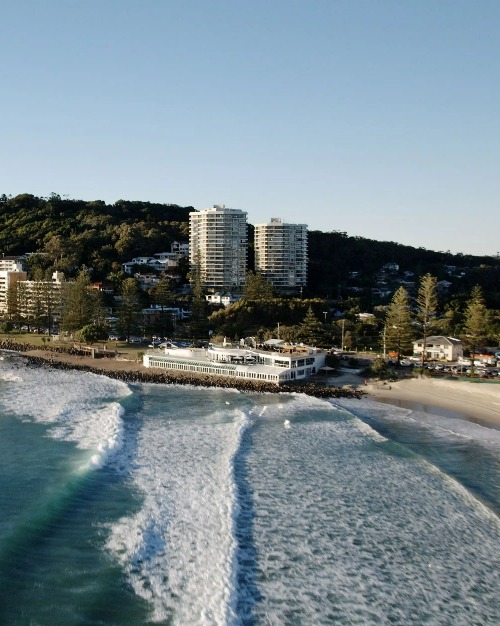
x: 130, y: 505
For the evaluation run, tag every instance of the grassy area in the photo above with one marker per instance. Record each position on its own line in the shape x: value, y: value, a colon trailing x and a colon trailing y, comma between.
x: 129, y: 349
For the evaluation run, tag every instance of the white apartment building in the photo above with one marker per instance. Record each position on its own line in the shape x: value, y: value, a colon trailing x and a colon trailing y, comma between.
x: 11, y: 271
x: 37, y: 299
x: 281, y: 254
x: 218, y: 245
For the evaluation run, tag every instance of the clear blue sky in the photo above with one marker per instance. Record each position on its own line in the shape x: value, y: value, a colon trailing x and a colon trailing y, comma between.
x: 379, y: 118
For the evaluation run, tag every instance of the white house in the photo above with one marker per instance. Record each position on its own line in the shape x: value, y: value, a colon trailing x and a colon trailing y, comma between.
x: 439, y: 347
x: 222, y: 298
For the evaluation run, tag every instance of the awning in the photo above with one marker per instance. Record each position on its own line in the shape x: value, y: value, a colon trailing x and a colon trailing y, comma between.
x: 274, y: 342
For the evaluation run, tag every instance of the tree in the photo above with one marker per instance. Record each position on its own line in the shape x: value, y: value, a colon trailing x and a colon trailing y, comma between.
x: 311, y: 331
x: 129, y: 309
x: 198, y: 326
x: 476, y: 323
x: 92, y: 333
x: 398, y: 329
x: 6, y: 327
x: 257, y: 287
x: 426, y: 307
x: 451, y: 323
x: 80, y: 303
x: 161, y: 295
x: 12, y: 303
x: 22, y: 310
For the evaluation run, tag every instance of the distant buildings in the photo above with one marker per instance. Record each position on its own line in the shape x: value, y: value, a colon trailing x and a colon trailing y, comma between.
x: 281, y: 254
x: 160, y: 261
x: 226, y: 299
x: 218, y: 247
x: 11, y: 272
x: 29, y: 300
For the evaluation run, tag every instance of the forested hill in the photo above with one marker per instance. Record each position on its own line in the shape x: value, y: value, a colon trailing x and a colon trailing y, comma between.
x: 335, y: 256
x: 96, y: 234
x: 102, y: 236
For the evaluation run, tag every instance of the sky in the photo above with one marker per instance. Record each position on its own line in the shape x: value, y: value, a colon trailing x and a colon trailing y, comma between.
x: 377, y: 118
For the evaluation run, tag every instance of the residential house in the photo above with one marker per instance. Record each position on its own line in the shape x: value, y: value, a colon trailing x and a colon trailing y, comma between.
x: 222, y: 298
x: 439, y: 348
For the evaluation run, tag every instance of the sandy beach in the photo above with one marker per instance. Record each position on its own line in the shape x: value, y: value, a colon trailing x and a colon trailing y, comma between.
x: 476, y: 401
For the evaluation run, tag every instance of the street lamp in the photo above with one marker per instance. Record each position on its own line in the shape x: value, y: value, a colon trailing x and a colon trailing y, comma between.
x: 325, y: 313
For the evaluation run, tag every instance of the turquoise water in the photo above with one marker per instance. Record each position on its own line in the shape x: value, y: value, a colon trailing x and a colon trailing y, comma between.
x: 143, y: 504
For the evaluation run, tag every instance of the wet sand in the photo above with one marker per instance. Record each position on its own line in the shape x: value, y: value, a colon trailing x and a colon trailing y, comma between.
x: 477, y: 402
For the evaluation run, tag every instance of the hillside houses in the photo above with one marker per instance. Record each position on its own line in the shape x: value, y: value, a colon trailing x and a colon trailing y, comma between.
x: 160, y: 261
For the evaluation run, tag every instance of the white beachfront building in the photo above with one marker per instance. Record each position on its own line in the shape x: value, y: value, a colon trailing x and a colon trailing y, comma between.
x: 278, y: 365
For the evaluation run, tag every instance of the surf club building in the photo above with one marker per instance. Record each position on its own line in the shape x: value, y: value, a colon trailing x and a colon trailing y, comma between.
x: 276, y: 363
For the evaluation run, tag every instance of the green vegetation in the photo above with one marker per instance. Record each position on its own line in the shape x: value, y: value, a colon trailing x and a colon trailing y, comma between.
x: 475, y: 330
x: 398, y: 324
x: 72, y: 233
x: 427, y: 303
x: 401, y: 286
x: 380, y: 369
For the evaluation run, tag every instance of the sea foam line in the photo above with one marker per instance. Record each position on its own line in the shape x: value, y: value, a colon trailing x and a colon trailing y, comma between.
x: 180, y: 550
x: 368, y: 430
x: 464, y: 493
x: 75, y: 407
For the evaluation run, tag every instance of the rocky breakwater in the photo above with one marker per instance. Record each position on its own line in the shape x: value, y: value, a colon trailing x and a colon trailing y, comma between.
x: 198, y: 380
x: 14, y: 346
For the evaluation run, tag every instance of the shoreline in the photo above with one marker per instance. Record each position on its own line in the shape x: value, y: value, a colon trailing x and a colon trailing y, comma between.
x: 477, y: 402
x: 134, y: 372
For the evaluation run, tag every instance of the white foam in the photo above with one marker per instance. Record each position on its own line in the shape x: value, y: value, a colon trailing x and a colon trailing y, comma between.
x: 10, y: 377
x: 347, y: 533
x: 111, y: 435
x: 77, y: 406
x: 368, y: 430
x: 179, y: 550
x: 440, y: 426
x: 453, y: 484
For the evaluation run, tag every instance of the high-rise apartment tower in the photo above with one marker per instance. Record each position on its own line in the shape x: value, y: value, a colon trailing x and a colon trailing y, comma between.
x: 218, y: 246
x: 281, y: 254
